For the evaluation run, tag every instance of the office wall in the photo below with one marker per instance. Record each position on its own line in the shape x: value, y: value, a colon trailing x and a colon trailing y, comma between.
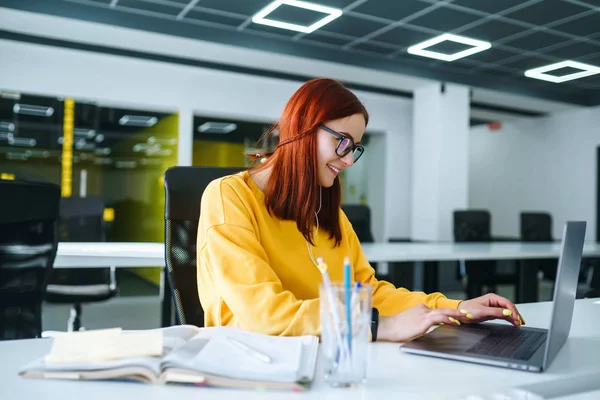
x: 546, y: 164
x: 124, y: 81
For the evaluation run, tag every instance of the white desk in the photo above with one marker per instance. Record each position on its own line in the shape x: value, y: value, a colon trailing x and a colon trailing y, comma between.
x: 120, y: 255
x: 391, y: 252
x: 128, y: 255
x: 392, y: 374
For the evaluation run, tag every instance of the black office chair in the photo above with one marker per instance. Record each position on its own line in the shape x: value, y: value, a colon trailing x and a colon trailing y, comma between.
x: 184, y: 187
x: 81, y: 220
x: 537, y: 227
x: 475, y: 226
x: 360, y: 217
x: 28, y: 244
x: 594, y: 290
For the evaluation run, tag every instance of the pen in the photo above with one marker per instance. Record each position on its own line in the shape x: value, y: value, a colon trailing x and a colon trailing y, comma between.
x: 347, y: 283
x: 250, y: 351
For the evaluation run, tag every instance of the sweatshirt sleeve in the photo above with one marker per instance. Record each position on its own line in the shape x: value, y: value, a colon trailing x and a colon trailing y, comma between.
x: 238, y: 264
x: 388, y: 299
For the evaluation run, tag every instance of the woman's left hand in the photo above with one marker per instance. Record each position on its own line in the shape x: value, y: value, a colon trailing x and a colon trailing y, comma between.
x: 488, y: 307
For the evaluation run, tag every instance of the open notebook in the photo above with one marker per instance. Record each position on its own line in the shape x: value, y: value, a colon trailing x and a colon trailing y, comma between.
x: 182, y: 354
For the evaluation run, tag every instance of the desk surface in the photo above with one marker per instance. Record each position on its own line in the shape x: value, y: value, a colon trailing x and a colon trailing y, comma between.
x: 152, y: 254
x: 391, y: 372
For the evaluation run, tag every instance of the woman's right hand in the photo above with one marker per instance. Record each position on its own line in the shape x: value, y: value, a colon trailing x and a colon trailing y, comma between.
x: 415, y: 322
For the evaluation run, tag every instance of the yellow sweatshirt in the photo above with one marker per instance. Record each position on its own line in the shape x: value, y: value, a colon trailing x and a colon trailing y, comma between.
x: 255, y: 272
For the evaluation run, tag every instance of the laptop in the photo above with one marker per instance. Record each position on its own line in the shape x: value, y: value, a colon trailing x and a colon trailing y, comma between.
x: 523, y: 348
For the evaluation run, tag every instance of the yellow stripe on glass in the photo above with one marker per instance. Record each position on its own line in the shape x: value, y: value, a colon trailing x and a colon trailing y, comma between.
x: 67, y: 149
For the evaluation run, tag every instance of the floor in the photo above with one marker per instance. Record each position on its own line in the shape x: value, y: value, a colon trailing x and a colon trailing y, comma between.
x: 138, y: 306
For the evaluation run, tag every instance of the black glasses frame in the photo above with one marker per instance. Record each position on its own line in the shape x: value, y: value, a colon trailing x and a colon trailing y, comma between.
x: 353, y: 148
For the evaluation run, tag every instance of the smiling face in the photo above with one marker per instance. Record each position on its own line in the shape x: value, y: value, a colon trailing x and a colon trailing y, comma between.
x: 329, y: 164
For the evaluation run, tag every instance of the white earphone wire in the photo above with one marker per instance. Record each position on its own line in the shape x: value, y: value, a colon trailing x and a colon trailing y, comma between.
x: 308, y: 247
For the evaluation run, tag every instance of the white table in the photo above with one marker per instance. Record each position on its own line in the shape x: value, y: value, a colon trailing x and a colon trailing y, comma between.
x: 391, y: 252
x: 391, y: 374
x: 128, y: 255
x: 131, y: 255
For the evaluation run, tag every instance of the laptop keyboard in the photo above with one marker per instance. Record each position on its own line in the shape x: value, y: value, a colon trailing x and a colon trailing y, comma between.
x: 515, y: 344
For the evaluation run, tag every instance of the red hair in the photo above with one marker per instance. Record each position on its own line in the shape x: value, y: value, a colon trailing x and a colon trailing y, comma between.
x: 292, y: 191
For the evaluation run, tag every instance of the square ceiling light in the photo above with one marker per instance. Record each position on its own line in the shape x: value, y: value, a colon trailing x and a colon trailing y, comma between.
x: 331, y: 14
x: 542, y: 72
x: 475, y: 46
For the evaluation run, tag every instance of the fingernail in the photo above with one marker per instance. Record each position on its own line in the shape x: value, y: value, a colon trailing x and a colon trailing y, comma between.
x: 521, y: 321
x: 506, y: 312
x: 457, y: 322
x: 467, y: 314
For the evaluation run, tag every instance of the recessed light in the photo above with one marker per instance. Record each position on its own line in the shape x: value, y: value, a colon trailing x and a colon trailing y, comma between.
x: 541, y: 72
x: 88, y: 133
x: 137, y: 120
x: 36, y: 111
x: 217, y: 127
x: 419, y: 49
x: 332, y: 13
x: 7, y: 126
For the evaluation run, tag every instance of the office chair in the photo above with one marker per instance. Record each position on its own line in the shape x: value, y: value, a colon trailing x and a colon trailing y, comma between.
x: 537, y: 227
x: 81, y: 220
x: 360, y: 217
x: 28, y: 242
x: 184, y: 187
x: 475, y: 226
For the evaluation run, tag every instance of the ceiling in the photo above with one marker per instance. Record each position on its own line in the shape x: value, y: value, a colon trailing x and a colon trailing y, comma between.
x: 376, y: 34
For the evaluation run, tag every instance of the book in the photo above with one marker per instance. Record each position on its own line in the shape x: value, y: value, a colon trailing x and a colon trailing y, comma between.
x: 184, y: 354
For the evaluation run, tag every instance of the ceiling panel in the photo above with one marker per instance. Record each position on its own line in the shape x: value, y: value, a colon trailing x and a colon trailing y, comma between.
x: 535, y: 40
x: 170, y: 10
x: 575, y: 50
x: 545, y: 12
x: 352, y: 26
x: 395, y: 10
x: 492, y: 31
x: 231, y: 21
x: 444, y: 19
x: 401, y: 36
x: 585, y: 26
x: 492, y: 7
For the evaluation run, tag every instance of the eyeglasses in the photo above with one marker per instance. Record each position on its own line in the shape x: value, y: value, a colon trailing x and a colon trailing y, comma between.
x: 345, y: 144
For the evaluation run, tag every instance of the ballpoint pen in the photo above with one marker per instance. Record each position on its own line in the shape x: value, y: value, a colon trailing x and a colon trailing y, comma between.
x: 249, y: 350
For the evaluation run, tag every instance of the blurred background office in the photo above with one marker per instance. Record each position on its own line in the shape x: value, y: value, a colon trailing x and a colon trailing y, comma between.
x: 101, y: 97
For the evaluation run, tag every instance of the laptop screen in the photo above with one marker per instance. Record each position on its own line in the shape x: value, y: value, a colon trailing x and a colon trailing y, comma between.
x: 565, y: 289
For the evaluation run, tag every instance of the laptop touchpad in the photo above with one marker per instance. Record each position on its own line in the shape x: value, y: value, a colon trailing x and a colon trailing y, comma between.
x: 449, y: 339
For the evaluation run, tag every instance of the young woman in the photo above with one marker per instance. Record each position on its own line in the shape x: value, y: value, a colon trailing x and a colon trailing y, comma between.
x: 261, y: 232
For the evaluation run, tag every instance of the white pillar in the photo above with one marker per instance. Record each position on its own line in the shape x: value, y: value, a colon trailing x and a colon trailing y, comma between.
x: 186, y: 137
x: 440, y: 159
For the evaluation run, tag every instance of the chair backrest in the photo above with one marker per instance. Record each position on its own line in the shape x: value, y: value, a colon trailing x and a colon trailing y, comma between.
x: 472, y: 226
x: 184, y: 187
x: 360, y: 217
x: 28, y: 242
x: 81, y: 220
x: 536, y: 227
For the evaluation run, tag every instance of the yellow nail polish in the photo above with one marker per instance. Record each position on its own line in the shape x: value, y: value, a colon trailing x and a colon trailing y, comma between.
x: 457, y: 322
x: 506, y: 312
x: 521, y: 320
x: 467, y: 314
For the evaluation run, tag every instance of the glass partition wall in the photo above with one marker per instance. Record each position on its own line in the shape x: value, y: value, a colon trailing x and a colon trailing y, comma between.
x: 94, y: 149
